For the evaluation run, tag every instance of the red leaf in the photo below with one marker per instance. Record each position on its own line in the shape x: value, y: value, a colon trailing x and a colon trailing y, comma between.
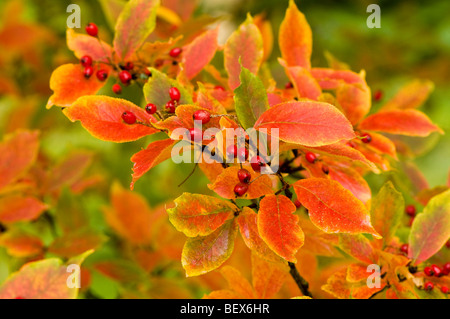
x: 199, y: 52
x: 155, y: 153
x: 304, y: 83
x: 102, y: 117
x: 404, y: 122
x: 83, y: 44
x: 353, y: 181
x: 332, y: 208
x: 20, y: 208
x: 412, y: 95
x: 295, y: 38
x: 278, y: 226
x: 307, y: 123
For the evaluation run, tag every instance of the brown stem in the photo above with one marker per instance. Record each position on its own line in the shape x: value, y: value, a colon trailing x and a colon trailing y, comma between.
x: 299, y: 280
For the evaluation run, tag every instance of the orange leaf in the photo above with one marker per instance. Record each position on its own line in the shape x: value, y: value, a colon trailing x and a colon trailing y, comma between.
x: 247, y: 221
x: 102, y: 117
x: 351, y: 180
x: 410, y: 96
x: 332, y: 208
x: 237, y: 282
x: 295, y: 38
x: 83, y: 44
x: 404, y: 122
x: 21, y: 244
x: 200, y: 215
x: 203, y: 254
x: 130, y: 216
x: 43, y: 279
x: 69, y: 83
x: 155, y: 153
x: 199, y: 52
x: 268, y: 277
x: 17, y: 153
x: 307, y: 123
x: 75, y: 243
x: 227, y: 180
x: 358, y: 247
x: 244, y: 45
x: 304, y: 83
x: 20, y: 208
x: 278, y: 226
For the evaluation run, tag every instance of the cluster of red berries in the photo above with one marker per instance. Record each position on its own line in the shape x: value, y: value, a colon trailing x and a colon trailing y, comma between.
x: 175, y: 96
x: 437, y: 271
x: 244, y: 177
x: 86, y: 61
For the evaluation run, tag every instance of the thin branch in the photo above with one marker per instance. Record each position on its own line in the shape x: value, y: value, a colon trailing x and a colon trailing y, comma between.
x: 299, y: 280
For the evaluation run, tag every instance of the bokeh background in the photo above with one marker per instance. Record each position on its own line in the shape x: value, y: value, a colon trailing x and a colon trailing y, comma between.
x: 413, y: 42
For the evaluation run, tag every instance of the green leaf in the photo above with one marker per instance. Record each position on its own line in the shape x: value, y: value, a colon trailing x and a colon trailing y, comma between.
x: 387, y: 211
x: 156, y: 90
x: 135, y: 23
x: 430, y: 229
x: 250, y: 98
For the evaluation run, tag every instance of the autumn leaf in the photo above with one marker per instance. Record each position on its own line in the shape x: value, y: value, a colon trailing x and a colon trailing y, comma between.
x: 199, y: 52
x: 244, y: 47
x: 102, y: 117
x: 430, y: 229
x: 250, y: 98
x: 237, y: 283
x: 43, y: 279
x: 278, y: 226
x: 350, y: 179
x: 120, y: 270
x: 304, y: 83
x: 155, y: 153
x: 156, y: 90
x: 69, y: 83
x: 267, y: 277
x: 76, y: 242
x: 332, y: 208
x: 307, y: 123
x: 17, y: 208
x: 386, y: 211
x: 130, y: 216
x: 21, y: 244
x: 410, y: 96
x: 358, y: 247
x: 404, y: 122
x: 295, y: 38
x: 83, y: 44
x: 248, y: 227
x: 203, y: 254
x: 134, y: 24
x: 200, y: 215
x: 18, y: 151
x: 227, y: 180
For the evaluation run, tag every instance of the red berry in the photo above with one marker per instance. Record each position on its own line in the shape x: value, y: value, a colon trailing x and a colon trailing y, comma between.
x: 129, y: 66
x: 325, y: 169
x: 366, y: 138
x: 102, y: 75
x: 428, y: 271
x: 170, y: 107
x: 289, y: 85
x: 150, y: 108
x: 117, y: 88
x: 257, y: 162
x: 437, y: 270
x: 310, y: 157
x: 444, y: 289
x: 429, y: 286
x: 219, y: 87
x: 232, y: 151
x: 244, y: 176
x: 378, y: 95
x: 86, y: 60
x: 410, y: 210
x: 129, y: 117
x: 92, y: 29
x: 174, y: 94
x: 125, y: 77
x: 175, y: 52
x: 242, y: 154
x: 88, y: 71
x: 195, y: 134
x: 404, y: 248
x: 202, y: 115
x: 297, y: 203
x: 446, y: 268
x: 240, y: 189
